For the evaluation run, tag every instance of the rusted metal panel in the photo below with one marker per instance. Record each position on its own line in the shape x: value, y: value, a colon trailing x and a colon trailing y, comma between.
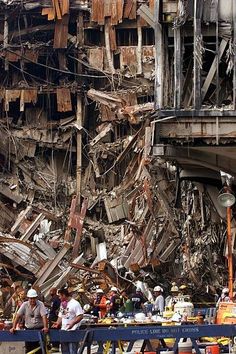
x: 112, y: 36
x: 100, y: 13
x: 29, y: 96
x: 130, y: 9
x: 79, y: 227
x: 13, y: 57
x: 96, y: 57
x: 63, y: 100
x: 65, y: 7
x: 61, y: 33
x: 120, y: 7
x: 95, y: 10
x: 114, y: 17
x: 50, y: 12
x: 107, y: 8
x: 128, y: 58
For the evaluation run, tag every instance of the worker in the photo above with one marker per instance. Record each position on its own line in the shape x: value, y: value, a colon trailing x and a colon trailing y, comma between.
x: 69, y: 317
x: 100, y: 303
x: 224, y: 297
x: 35, y: 316
x: 53, y: 314
x: 158, y: 305
x: 115, y: 301
x: 138, y: 300
x: 183, y: 290
x: 82, y: 297
x: 171, y: 300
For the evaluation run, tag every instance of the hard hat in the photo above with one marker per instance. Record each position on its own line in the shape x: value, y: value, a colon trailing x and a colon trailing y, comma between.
x: 174, y: 288
x: 139, y: 317
x: 32, y: 293
x: 158, y: 288
x: 86, y: 307
x: 183, y: 287
x: 81, y: 290
x: 225, y: 290
x: 138, y: 288
x: 99, y: 291
x: 113, y: 288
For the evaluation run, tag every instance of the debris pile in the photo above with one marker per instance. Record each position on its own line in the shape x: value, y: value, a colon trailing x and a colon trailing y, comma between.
x: 77, y: 104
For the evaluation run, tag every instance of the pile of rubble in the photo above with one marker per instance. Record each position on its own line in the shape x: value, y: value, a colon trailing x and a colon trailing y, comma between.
x: 77, y: 103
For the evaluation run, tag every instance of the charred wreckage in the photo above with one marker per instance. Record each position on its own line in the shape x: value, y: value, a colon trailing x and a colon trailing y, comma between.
x: 113, y: 113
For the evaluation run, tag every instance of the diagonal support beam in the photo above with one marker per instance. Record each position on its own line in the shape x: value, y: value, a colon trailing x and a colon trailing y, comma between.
x: 213, y: 68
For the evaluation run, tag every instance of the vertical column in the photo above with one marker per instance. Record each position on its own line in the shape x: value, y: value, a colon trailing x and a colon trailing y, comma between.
x: 178, y: 68
x: 159, y: 58
x: 79, y: 112
x: 196, y: 65
x: 234, y: 46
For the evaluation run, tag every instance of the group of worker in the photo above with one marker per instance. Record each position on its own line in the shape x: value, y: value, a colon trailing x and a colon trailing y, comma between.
x: 111, y: 303
x: 66, y: 312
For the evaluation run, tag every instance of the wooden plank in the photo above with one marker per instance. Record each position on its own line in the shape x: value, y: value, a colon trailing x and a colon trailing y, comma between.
x: 61, y: 33
x: 64, y: 100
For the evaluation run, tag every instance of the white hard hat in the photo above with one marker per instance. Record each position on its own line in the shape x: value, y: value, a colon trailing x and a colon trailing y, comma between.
x: 86, y: 307
x: 225, y: 290
x: 113, y: 288
x: 99, y: 291
x: 32, y: 293
x: 158, y: 288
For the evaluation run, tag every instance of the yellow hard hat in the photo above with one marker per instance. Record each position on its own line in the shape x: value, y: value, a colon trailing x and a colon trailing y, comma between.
x: 183, y: 287
x: 174, y: 288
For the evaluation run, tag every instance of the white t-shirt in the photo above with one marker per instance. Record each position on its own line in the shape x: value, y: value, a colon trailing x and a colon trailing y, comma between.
x: 72, y: 310
x: 159, y: 304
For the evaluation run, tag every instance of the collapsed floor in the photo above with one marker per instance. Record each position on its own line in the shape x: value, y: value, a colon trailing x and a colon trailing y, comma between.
x: 77, y: 105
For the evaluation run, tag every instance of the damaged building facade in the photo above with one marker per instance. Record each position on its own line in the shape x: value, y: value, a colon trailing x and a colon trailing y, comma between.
x: 116, y: 119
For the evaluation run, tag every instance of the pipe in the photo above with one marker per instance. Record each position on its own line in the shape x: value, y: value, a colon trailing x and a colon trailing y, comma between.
x: 230, y: 256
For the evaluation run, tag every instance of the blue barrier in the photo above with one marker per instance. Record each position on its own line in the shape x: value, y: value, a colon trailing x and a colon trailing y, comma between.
x: 130, y: 333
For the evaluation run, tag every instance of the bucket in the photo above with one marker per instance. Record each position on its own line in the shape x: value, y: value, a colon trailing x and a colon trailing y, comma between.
x: 212, y: 349
x: 185, y: 347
